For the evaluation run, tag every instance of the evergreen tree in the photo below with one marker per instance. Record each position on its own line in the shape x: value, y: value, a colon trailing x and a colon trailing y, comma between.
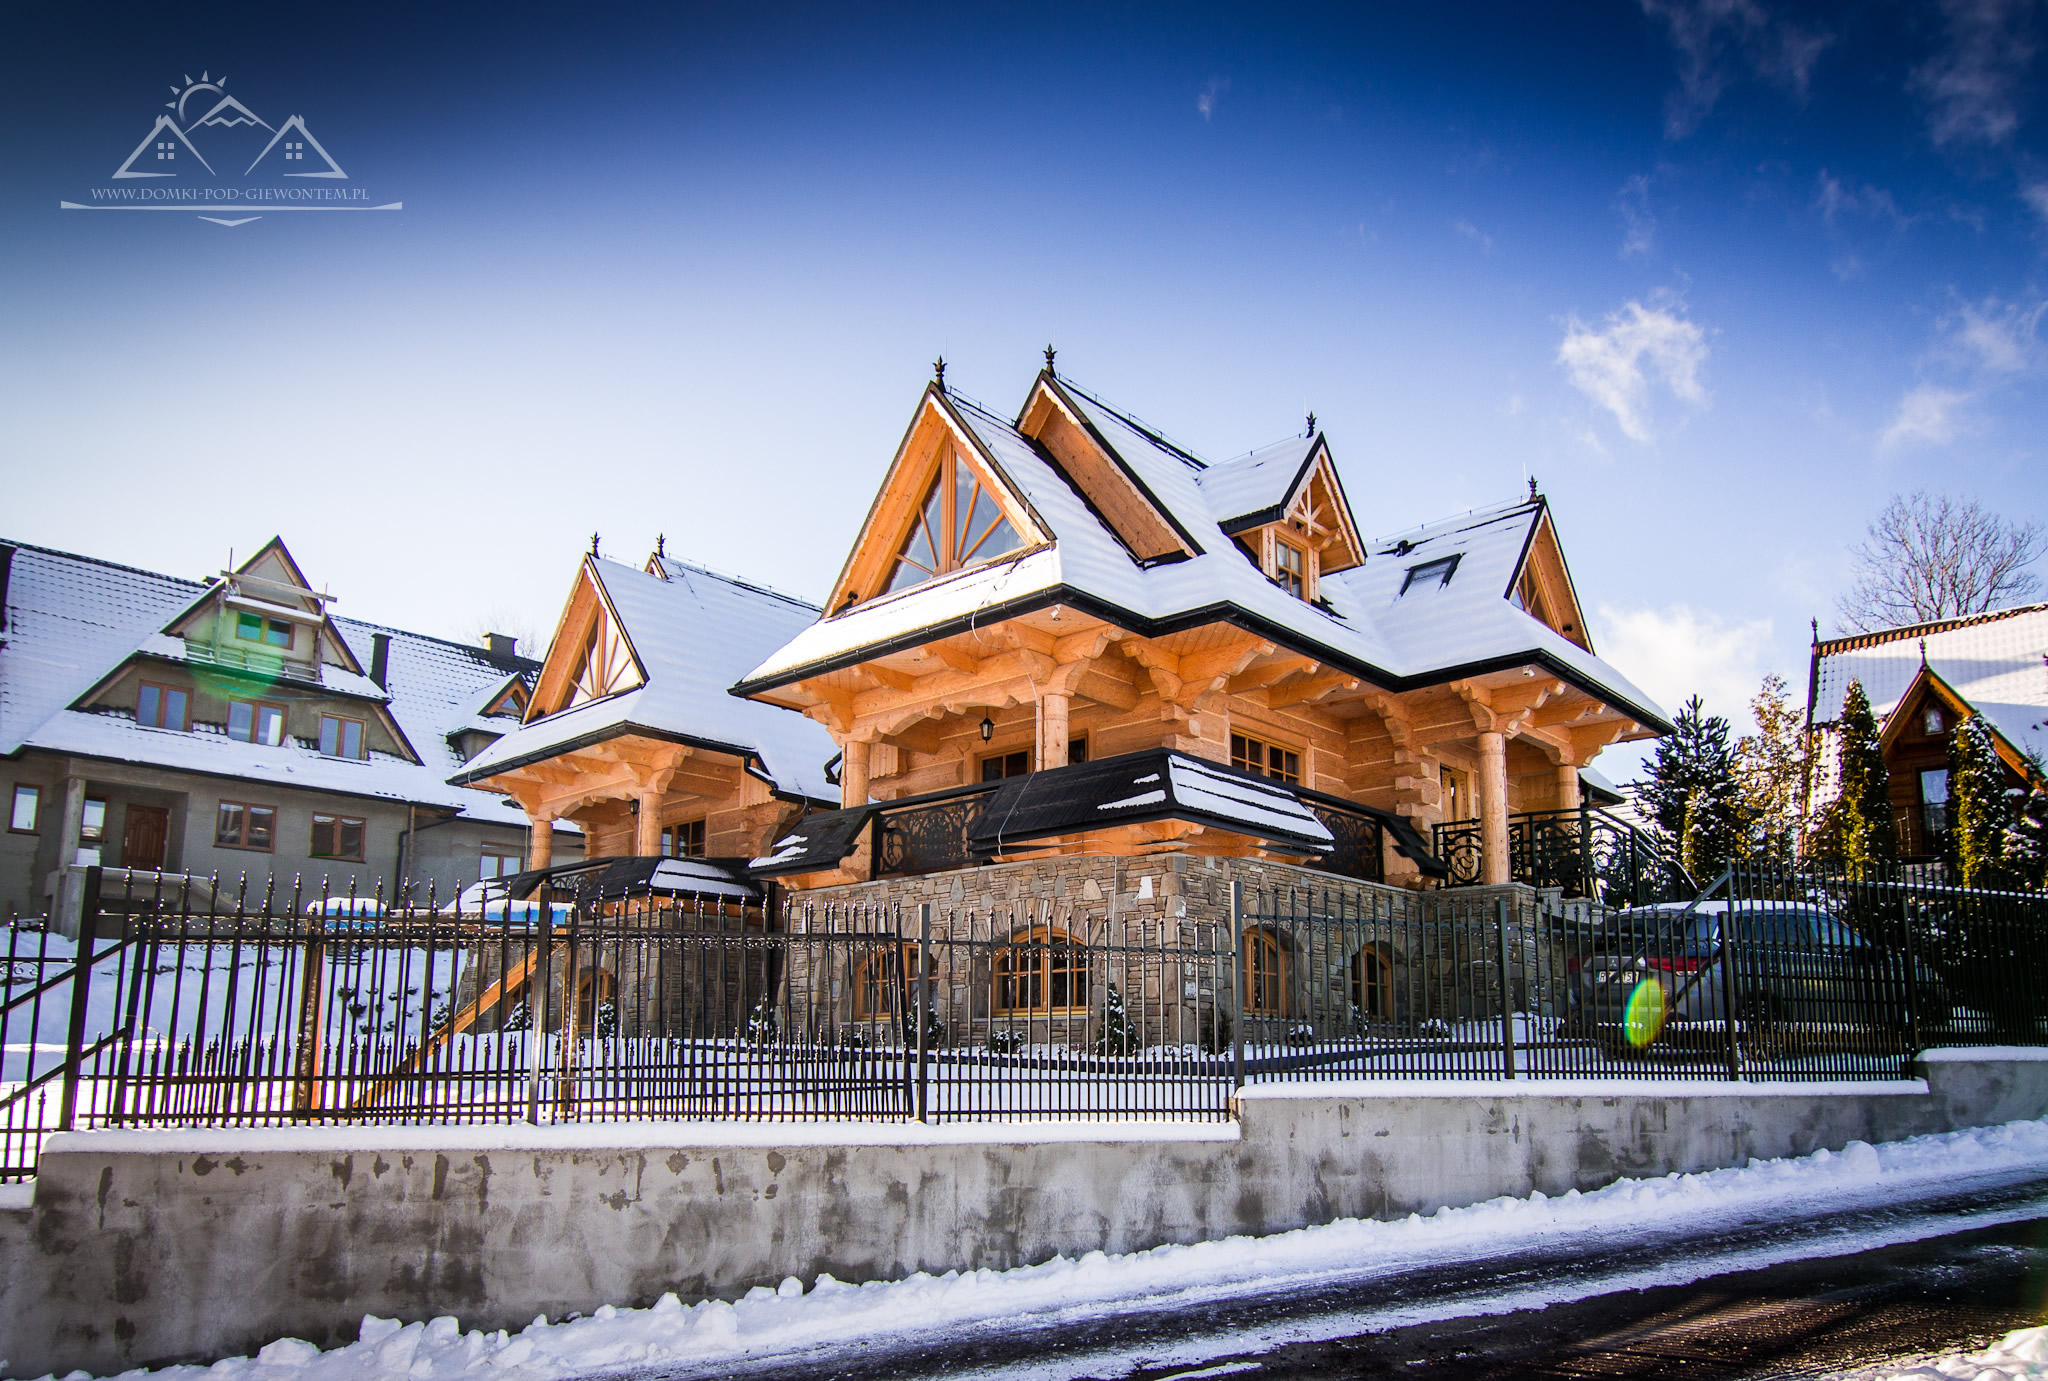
x: 1770, y: 768
x: 1862, y: 830
x: 1117, y: 1036
x: 1983, y: 816
x: 1692, y: 793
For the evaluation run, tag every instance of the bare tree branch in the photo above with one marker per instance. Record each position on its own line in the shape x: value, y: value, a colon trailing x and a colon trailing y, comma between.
x: 1931, y: 557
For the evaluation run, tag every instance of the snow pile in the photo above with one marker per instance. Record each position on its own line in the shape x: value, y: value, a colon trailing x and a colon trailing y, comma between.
x: 831, y: 1312
x: 2018, y: 1355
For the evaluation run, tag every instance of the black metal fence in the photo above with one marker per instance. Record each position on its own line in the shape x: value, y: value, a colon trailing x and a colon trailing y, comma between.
x: 232, y: 1009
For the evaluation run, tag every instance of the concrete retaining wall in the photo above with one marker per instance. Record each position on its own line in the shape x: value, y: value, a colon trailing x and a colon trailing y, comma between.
x: 150, y: 1247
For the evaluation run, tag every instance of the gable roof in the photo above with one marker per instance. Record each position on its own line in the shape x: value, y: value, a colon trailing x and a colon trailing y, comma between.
x: 694, y: 631
x: 1363, y: 625
x: 73, y: 621
x: 1997, y: 663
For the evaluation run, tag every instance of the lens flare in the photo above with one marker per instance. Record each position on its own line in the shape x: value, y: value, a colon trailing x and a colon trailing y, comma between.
x: 1645, y: 1017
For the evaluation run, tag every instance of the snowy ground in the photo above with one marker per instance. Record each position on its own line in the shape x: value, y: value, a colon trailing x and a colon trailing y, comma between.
x: 797, y: 1318
x: 2022, y: 1353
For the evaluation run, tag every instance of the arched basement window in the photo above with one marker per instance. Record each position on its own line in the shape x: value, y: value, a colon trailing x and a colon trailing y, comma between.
x: 1040, y: 971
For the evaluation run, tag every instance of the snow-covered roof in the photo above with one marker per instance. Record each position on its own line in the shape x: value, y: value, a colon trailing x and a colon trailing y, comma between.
x: 694, y: 632
x: 1373, y: 620
x: 73, y: 620
x: 1261, y: 482
x: 1998, y: 662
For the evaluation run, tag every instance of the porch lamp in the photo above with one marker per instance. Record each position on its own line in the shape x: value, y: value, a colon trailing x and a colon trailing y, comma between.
x: 988, y: 728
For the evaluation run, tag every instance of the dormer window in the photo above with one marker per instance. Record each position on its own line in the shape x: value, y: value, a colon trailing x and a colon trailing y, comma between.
x: 256, y: 721
x: 1290, y: 569
x: 958, y: 524
x: 1431, y: 575
x: 1936, y: 723
x: 255, y: 628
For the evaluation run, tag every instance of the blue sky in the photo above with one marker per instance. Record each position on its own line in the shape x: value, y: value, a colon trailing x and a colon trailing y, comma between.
x: 1720, y: 274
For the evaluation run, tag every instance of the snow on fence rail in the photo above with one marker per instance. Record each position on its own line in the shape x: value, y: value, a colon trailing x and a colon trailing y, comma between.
x: 173, y: 1009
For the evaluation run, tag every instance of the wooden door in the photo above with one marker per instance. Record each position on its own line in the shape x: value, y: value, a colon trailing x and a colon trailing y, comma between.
x: 143, y: 836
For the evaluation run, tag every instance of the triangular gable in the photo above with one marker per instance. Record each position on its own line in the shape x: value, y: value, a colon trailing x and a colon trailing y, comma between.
x: 937, y: 436
x: 509, y: 701
x: 272, y: 576
x: 1317, y: 499
x: 1126, y: 504
x: 1928, y: 684
x: 1542, y: 583
x: 591, y: 656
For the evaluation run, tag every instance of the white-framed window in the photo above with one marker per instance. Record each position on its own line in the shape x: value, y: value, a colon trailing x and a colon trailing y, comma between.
x: 25, y: 813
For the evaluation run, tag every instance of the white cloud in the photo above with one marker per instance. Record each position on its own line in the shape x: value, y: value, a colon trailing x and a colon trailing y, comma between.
x: 2035, y: 194
x: 2001, y: 337
x: 1677, y: 651
x: 1717, y: 40
x: 1206, y: 102
x: 1926, y: 416
x: 1973, y: 87
x: 1614, y: 364
x: 1638, y: 226
x: 1474, y: 234
x: 1833, y: 198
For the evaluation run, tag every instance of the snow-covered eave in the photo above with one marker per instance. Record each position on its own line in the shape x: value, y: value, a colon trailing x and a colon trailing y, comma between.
x: 751, y: 761
x: 227, y: 670
x: 1219, y: 612
x: 455, y: 809
x: 1079, y: 416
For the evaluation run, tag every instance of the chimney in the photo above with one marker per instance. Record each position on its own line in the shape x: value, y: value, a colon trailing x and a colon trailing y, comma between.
x: 501, y: 645
x: 380, y: 660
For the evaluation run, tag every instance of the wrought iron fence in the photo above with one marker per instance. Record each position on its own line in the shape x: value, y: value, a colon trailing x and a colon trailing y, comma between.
x: 1583, y: 853
x: 232, y: 1009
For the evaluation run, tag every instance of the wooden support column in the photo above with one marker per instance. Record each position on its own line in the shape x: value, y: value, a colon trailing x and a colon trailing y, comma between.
x: 540, y: 848
x: 1493, y: 807
x: 1567, y: 786
x: 1052, y: 730
x: 853, y: 773
x: 647, y: 829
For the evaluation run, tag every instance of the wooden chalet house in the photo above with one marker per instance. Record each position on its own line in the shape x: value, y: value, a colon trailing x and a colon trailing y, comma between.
x: 1060, y: 635
x: 1922, y: 681
x: 631, y: 735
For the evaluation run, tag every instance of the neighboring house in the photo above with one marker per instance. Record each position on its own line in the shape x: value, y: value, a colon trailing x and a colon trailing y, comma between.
x: 234, y: 727
x: 1922, y: 681
x: 631, y: 733
x: 1061, y: 634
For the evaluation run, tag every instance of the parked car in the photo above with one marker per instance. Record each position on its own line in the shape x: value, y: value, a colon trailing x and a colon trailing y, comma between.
x: 489, y: 900
x: 1658, y: 977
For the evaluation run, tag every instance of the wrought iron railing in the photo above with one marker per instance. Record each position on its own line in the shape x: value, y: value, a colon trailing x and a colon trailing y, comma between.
x: 929, y: 834
x: 1360, y: 839
x: 1582, y: 853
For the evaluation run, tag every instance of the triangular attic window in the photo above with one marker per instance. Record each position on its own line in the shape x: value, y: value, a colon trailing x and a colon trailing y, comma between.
x: 605, y: 666
x: 957, y: 525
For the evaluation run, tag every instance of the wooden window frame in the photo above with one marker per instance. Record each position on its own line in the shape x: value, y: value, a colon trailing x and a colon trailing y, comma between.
x: 672, y: 838
x: 982, y: 764
x: 362, y: 737
x: 1379, y: 986
x: 1265, y: 964
x: 1043, y: 944
x: 338, y: 821
x: 256, y: 708
x: 949, y: 556
x: 163, y: 695
x: 241, y: 840
x: 594, y: 988
x: 264, y: 626
x: 1294, y: 582
x: 35, y: 810
x: 1267, y: 747
x: 882, y: 979
x: 1077, y: 744
x: 518, y: 862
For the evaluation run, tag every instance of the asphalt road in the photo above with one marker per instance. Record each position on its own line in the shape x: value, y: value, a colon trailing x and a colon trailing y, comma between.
x: 1798, y: 1298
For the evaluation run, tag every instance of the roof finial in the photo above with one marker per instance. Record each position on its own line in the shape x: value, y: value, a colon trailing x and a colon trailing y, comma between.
x: 939, y: 373
x: 1923, y: 652
x: 593, y: 544
x: 660, y: 544
x: 1049, y: 354
x: 1816, y: 631
x: 1311, y: 422
x: 1532, y: 489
